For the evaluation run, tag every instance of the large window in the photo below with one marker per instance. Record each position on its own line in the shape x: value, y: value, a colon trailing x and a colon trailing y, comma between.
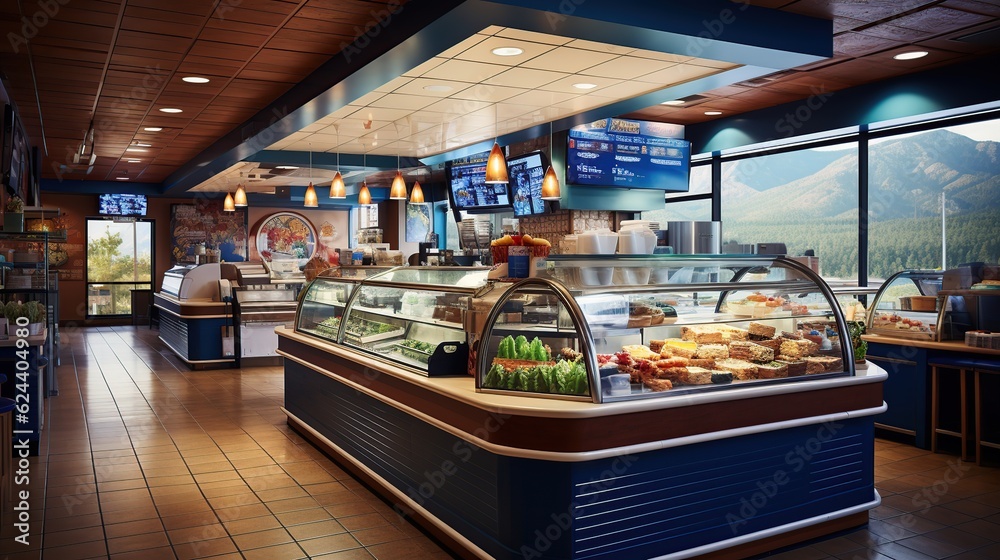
x: 119, y: 260
x: 934, y: 198
x: 696, y: 203
x: 805, y: 198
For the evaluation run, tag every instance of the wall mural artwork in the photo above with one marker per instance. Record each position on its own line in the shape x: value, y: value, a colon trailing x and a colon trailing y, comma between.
x: 206, y: 222
x: 285, y: 235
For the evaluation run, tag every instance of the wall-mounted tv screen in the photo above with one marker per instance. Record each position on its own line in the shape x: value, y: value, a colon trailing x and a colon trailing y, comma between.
x: 526, y: 173
x: 628, y: 153
x: 122, y: 205
x: 468, y: 188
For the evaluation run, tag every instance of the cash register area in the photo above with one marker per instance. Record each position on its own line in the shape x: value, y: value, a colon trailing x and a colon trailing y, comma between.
x: 141, y: 457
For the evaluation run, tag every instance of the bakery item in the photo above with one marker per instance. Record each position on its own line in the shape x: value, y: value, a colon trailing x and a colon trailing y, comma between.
x: 697, y: 376
x: 714, y: 351
x: 772, y: 370
x: 658, y: 384
x: 823, y: 364
x: 730, y: 333
x: 639, y: 321
x: 656, y: 345
x: 797, y: 348
x: 702, y: 335
x: 640, y: 352
x: 741, y: 369
x: 751, y: 352
x: 702, y: 362
x: 720, y: 377
x: 760, y: 331
x: 684, y: 348
x: 795, y: 367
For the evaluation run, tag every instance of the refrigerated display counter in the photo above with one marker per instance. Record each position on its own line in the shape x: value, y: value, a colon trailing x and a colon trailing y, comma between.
x: 193, y: 314
x: 623, y: 419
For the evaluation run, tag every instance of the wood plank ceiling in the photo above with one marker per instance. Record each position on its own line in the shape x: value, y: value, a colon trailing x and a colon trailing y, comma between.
x: 112, y: 64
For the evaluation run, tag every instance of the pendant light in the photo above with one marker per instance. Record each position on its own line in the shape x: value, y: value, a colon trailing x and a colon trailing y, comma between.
x: 550, y: 183
x: 398, y: 189
x: 496, y: 165
x: 364, y: 195
x: 337, y: 187
x: 417, y: 194
x: 240, y: 198
x: 310, y: 199
x: 228, y: 205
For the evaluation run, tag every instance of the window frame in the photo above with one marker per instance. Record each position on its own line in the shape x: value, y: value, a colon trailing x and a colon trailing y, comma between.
x: 86, y: 265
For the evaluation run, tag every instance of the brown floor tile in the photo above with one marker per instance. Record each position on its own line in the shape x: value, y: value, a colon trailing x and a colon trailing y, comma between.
x: 943, y: 515
x: 291, y: 518
x: 317, y: 529
x: 352, y: 554
x: 137, y: 542
x: 379, y: 535
x: 931, y: 547
x: 242, y: 512
x: 912, y: 522
x: 162, y: 553
x: 182, y: 521
x: 204, y: 549
x: 73, y: 522
x: 64, y: 538
x: 282, y: 493
x: 863, y: 554
x: 328, y: 544
x: 262, y: 539
x: 412, y: 549
x: 292, y: 504
x: 77, y: 551
x: 366, y: 521
x: 290, y: 551
x: 199, y: 533
x: 241, y: 526
x: 981, y: 528
x: 130, y: 528
x: 959, y: 538
x: 146, y: 512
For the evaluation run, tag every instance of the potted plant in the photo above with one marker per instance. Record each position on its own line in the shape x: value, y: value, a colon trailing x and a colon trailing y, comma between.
x: 855, y: 330
x: 11, y: 311
x: 35, y: 312
x: 13, y: 216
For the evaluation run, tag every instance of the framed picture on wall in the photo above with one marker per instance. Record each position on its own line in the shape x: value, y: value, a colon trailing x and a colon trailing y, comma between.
x: 419, y: 221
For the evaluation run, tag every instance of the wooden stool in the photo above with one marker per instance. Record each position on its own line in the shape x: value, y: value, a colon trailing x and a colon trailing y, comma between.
x: 963, y: 366
x: 988, y: 367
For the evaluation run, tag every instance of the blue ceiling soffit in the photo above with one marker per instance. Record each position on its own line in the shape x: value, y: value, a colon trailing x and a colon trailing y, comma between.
x: 762, y: 40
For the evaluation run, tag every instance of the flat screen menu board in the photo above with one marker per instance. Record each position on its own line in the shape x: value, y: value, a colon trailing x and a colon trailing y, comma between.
x: 628, y: 153
x: 526, y: 173
x: 122, y: 205
x: 468, y: 188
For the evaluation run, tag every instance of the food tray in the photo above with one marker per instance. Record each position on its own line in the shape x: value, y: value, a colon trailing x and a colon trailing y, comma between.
x: 898, y: 333
x: 369, y: 338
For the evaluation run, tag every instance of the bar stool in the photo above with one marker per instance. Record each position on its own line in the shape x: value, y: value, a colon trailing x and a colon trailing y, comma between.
x: 963, y: 365
x: 988, y: 367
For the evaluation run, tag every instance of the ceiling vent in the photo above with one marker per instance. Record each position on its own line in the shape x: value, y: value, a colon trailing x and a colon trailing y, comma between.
x: 766, y: 80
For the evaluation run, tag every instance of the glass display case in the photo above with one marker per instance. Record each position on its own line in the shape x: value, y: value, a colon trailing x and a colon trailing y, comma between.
x: 410, y: 316
x: 609, y: 328
x: 906, y: 306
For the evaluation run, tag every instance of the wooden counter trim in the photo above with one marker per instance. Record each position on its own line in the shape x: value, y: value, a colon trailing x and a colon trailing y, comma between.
x: 948, y: 346
x: 523, y: 431
x: 192, y: 309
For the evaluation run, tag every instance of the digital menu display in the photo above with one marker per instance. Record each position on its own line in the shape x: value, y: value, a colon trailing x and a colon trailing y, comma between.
x: 526, y: 173
x: 122, y: 204
x: 628, y: 153
x: 468, y: 188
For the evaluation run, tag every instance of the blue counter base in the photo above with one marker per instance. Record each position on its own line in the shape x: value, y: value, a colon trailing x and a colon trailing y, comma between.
x: 631, y: 506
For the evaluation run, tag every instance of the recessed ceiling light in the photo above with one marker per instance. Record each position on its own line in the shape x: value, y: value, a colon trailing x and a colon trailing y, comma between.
x: 437, y: 87
x: 135, y: 161
x: 171, y: 110
x: 122, y: 178
x: 153, y: 128
x: 910, y: 55
x: 584, y: 85
x: 713, y: 113
x: 195, y: 80
x: 673, y: 102
x: 135, y: 149
x: 507, y: 51
x: 142, y: 144
x: 286, y: 167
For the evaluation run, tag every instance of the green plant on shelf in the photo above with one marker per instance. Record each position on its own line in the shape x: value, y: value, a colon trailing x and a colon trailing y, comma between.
x: 34, y: 311
x: 15, y: 205
x: 855, y: 329
x: 12, y: 310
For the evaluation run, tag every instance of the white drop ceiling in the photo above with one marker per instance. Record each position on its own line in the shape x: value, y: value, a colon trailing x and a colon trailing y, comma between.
x: 467, y: 94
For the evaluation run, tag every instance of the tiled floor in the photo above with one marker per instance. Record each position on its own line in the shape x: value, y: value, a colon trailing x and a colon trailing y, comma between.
x: 142, y: 458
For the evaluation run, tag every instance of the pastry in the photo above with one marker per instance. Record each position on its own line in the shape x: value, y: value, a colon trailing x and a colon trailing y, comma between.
x: 702, y: 335
x: 658, y: 384
x: 702, y: 362
x: 795, y: 367
x: 751, y: 352
x: 823, y: 364
x: 656, y: 345
x: 772, y: 370
x: 640, y: 352
x: 721, y: 377
x: 684, y: 348
x: 760, y: 331
x: 697, y: 376
x: 772, y: 343
x: 741, y: 369
x: 715, y: 351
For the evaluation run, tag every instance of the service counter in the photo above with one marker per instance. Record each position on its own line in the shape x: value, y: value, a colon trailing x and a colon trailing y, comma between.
x: 725, y: 474
x: 908, y: 389
x: 193, y: 329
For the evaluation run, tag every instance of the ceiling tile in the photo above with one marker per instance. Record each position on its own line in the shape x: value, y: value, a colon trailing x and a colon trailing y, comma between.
x: 482, y: 52
x: 525, y: 78
x: 600, y: 47
x: 422, y: 68
x: 625, y: 90
x: 626, y: 68
x: 564, y: 59
x: 398, y: 101
x: 566, y: 85
x: 490, y: 93
x: 533, y: 36
x: 938, y: 18
x: 464, y: 71
x: 392, y: 85
x: 418, y: 86
x: 677, y: 74
x: 540, y: 98
x: 464, y: 46
x: 456, y: 106
x: 859, y: 44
